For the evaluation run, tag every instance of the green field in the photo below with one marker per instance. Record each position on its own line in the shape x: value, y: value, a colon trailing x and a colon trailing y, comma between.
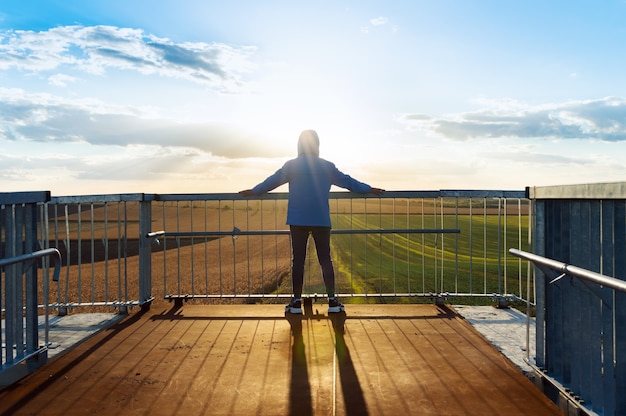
x: 474, y: 261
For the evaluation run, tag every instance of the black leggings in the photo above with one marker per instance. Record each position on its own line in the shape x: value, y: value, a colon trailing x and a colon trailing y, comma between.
x: 299, y: 240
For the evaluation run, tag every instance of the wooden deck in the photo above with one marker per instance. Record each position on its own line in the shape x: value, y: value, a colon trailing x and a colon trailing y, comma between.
x: 250, y: 360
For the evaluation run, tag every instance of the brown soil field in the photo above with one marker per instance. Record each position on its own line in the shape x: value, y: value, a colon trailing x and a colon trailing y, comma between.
x: 207, y: 266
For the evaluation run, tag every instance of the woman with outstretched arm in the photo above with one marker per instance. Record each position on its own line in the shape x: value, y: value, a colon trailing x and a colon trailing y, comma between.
x: 310, y: 178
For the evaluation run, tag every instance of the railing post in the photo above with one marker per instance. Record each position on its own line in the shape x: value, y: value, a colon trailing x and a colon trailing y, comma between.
x: 145, y: 251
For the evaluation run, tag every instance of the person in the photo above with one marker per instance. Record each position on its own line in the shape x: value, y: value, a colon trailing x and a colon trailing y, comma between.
x: 308, y: 213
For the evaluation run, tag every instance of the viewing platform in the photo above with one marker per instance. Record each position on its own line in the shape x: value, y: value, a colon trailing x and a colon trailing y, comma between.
x: 251, y: 359
x: 173, y: 304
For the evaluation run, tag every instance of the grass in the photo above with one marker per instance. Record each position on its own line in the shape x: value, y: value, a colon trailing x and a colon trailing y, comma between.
x: 427, y: 263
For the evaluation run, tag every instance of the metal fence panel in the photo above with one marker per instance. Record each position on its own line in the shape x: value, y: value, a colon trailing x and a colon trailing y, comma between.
x: 19, y: 284
x: 582, y: 321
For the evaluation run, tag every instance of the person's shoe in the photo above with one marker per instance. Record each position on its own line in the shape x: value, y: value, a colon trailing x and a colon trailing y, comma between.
x: 295, y: 306
x: 334, y: 306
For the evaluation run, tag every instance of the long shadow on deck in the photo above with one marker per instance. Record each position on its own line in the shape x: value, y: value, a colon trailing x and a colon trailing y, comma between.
x: 249, y: 359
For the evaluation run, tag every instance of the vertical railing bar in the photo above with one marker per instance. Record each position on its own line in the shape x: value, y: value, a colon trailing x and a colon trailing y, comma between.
x: 484, y: 245
x: 219, y: 248
x: 192, y: 248
x: 500, y: 276
x: 443, y: 248
x: 16, y: 286
x: 332, y: 201
x: 68, y: 249
x: 351, y: 277
x: 19, y: 289
x: 105, y: 243
x: 234, y: 254
x: 393, y: 242
x: 45, y: 239
x: 164, y: 215
x: 56, y: 243
x: 505, y: 245
x: 408, y: 243
x: 261, y: 212
x: 10, y: 272
x: 125, y: 252
x: 206, y: 249
x: 178, y: 242
x: 248, y: 246
x: 276, y: 276
x: 79, y: 239
x: 436, y: 269
x: 530, y: 234
x: 333, y: 220
x: 423, y: 237
x: 529, y: 272
x: 367, y: 237
x: 93, y: 262
x: 31, y: 286
x: 471, y: 247
x: 380, y: 247
x: 519, y: 245
x: 456, y: 244
x: 119, y: 252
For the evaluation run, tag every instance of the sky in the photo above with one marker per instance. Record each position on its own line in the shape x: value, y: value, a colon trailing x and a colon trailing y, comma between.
x: 203, y: 96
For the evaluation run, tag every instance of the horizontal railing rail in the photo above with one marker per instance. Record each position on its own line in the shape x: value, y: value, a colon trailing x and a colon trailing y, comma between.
x: 565, y: 269
x: 237, y: 232
x: 48, y: 252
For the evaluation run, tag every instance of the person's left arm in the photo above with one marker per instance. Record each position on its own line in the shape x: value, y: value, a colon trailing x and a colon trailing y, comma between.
x: 346, y: 181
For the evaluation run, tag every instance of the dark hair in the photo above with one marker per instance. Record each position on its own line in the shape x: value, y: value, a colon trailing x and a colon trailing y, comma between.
x: 309, y: 143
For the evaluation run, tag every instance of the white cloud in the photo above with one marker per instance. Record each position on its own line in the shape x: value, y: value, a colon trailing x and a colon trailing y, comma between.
x: 602, y: 119
x: 47, y: 118
x: 96, y: 49
x: 379, y: 21
x: 61, y: 80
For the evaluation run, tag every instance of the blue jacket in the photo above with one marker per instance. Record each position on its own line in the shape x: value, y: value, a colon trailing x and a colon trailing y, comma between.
x: 310, y: 179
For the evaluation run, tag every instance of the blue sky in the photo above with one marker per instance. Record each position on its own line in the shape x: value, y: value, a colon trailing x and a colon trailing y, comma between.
x: 206, y: 96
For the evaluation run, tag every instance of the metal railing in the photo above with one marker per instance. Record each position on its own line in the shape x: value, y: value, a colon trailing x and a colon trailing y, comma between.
x: 434, y: 244
x: 236, y: 233
x: 20, y: 287
x: 597, y: 361
x: 99, y: 237
x: 563, y: 269
x: 402, y: 244
x: 20, y: 332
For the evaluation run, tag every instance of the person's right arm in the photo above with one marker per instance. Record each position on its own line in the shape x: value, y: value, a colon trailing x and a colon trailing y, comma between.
x: 280, y: 177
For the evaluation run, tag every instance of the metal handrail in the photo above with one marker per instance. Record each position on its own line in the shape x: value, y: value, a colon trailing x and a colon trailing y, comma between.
x: 36, y: 255
x: 546, y: 265
x: 237, y: 232
x: 23, y: 258
x: 567, y: 269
